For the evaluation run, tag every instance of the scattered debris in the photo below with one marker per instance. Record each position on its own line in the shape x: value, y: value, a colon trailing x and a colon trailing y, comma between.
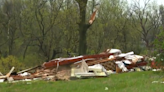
x: 1, y: 74
x: 8, y: 74
x: 26, y: 70
x: 99, y: 65
x: 88, y: 71
x: 156, y: 69
x: 158, y: 82
x: 2, y: 80
x: 155, y: 81
x: 106, y: 88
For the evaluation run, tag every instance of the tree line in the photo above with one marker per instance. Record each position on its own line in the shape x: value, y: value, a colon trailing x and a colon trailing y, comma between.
x: 36, y: 31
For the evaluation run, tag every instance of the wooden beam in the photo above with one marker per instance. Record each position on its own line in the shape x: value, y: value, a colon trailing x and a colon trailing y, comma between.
x: 1, y: 74
x: 8, y: 74
x: 28, y: 69
x: 100, y: 61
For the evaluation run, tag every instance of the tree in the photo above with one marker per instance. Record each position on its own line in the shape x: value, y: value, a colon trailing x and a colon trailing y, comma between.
x: 111, y: 29
x: 146, y: 21
x: 11, y: 20
x: 159, y: 41
x: 162, y: 14
x: 83, y: 26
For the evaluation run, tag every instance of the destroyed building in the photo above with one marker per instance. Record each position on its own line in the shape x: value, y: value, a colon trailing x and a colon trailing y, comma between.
x: 98, y: 65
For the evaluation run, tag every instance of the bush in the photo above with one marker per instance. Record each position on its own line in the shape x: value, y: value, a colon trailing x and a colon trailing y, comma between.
x: 7, y: 63
x: 159, y: 47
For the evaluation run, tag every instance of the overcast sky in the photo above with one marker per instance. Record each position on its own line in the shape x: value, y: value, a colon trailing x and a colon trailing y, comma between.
x: 159, y: 2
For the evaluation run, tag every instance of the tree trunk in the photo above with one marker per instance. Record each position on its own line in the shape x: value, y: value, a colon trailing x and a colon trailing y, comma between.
x: 82, y: 40
x: 82, y: 27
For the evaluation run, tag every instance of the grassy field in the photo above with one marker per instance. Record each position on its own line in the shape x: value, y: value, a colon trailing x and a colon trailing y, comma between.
x: 125, y: 82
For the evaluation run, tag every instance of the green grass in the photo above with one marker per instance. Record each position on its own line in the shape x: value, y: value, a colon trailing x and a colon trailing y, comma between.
x: 125, y: 82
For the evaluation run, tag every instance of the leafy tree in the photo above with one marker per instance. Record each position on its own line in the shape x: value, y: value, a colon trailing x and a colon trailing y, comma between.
x: 161, y: 10
x: 83, y: 26
x: 146, y: 22
x: 111, y: 29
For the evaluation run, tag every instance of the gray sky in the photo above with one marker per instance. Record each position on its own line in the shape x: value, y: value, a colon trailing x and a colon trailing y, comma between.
x: 159, y: 2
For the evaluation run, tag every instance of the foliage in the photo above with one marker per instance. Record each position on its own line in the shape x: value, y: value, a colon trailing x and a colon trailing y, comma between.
x: 159, y: 46
x: 36, y: 31
x: 7, y: 63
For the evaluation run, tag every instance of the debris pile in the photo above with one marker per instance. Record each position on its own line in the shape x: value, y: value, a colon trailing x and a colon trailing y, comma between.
x: 98, y: 65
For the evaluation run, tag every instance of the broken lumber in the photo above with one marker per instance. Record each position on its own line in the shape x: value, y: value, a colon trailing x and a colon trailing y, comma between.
x: 1, y: 74
x: 65, y: 61
x: 8, y: 74
x: 3, y: 77
x: 28, y: 69
x: 93, y: 17
x: 100, y: 61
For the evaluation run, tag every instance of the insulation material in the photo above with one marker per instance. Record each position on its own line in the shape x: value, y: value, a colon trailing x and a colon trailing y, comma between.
x: 114, y: 51
x: 127, y: 62
x: 98, y: 70
x: 88, y: 71
x: 121, y: 66
x: 126, y: 54
x: 83, y: 68
x: 2, y: 80
x: 111, y: 57
x: 97, y: 67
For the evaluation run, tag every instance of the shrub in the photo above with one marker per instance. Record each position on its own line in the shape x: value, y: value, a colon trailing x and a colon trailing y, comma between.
x: 7, y: 63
